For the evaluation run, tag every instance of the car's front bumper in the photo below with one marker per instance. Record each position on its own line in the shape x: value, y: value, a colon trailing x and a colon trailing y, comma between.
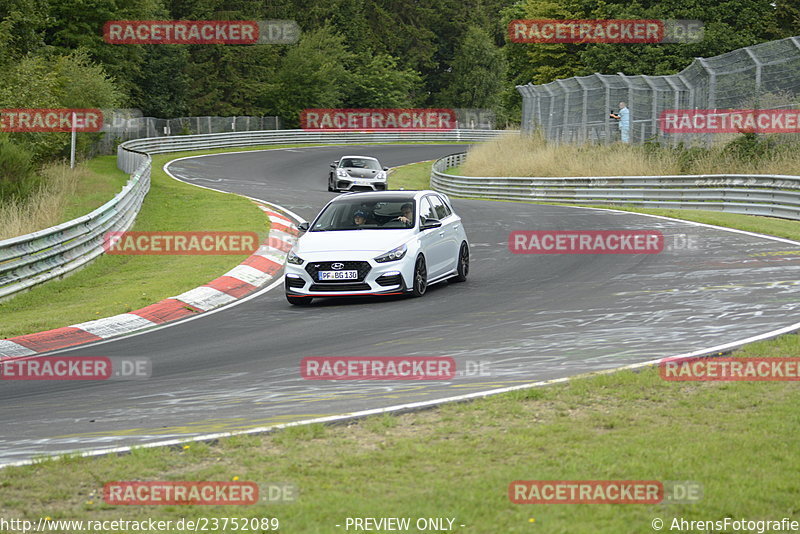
x: 380, y: 279
x: 358, y: 184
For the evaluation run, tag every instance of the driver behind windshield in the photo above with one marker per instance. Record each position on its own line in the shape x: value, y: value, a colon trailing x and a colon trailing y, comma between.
x: 407, y: 215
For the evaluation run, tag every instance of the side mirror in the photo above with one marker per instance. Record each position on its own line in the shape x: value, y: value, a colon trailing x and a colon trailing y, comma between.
x: 430, y: 223
x: 333, y: 165
x: 386, y: 168
x: 303, y: 226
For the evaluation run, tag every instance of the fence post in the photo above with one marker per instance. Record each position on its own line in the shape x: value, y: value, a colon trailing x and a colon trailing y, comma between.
x: 653, y: 107
x: 583, y: 132
x: 565, y: 118
x: 711, y: 100
x: 549, y: 134
x: 676, y: 104
x: 757, y: 102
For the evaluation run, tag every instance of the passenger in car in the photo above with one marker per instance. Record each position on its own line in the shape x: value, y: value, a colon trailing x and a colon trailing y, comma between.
x: 359, y: 218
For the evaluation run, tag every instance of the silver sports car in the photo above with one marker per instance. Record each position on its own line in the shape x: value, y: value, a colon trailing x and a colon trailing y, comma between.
x: 357, y: 173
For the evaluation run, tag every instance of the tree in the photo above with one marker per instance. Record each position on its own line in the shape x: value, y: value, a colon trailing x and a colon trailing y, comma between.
x: 544, y: 62
x: 311, y: 75
x: 228, y: 80
x: 162, y: 88
x: 787, y: 13
x: 728, y: 25
x: 478, y: 73
x: 21, y: 27
x: 54, y: 81
x: 79, y: 24
x: 378, y: 82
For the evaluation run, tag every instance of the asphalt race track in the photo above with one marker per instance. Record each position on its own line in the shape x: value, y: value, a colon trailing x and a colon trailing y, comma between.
x: 529, y: 317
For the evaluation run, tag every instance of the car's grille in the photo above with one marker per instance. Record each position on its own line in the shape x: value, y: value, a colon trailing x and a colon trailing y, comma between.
x: 294, y: 282
x: 340, y: 287
x: 390, y: 280
x: 314, y: 267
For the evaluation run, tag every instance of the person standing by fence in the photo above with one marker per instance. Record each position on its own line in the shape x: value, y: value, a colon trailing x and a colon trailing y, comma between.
x: 624, y: 118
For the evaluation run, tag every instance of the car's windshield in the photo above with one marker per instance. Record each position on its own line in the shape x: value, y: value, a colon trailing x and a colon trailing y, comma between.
x: 361, y: 214
x: 360, y: 163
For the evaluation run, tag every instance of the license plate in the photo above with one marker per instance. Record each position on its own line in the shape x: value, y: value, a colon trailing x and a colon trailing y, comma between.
x: 338, y: 275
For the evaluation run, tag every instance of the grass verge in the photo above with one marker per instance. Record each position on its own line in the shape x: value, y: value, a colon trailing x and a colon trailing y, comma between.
x: 735, y: 439
x: 531, y: 155
x: 119, y: 284
x: 65, y: 194
x: 411, y: 176
x: 103, y: 182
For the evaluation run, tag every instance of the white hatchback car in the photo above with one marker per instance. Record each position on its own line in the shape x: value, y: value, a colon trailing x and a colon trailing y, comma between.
x: 387, y: 243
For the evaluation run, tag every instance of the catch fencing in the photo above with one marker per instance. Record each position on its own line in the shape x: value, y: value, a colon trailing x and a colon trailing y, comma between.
x: 576, y: 110
x: 123, y: 126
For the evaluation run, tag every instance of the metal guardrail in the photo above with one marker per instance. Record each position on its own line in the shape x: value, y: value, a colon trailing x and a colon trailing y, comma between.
x: 759, y: 194
x: 34, y: 258
x: 159, y: 145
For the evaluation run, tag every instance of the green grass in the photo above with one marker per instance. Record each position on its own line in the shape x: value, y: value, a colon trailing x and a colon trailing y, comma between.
x: 103, y: 182
x: 412, y: 176
x: 736, y: 439
x: 119, y: 284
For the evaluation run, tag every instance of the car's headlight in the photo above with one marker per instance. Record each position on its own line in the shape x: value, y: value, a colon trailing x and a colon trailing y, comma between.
x: 381, y: 175
x: 294, y: 259
x: 341, y: 172
x: 392, y: 255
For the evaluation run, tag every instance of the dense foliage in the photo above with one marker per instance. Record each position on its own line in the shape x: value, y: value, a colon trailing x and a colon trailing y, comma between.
x: 352, y: 53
